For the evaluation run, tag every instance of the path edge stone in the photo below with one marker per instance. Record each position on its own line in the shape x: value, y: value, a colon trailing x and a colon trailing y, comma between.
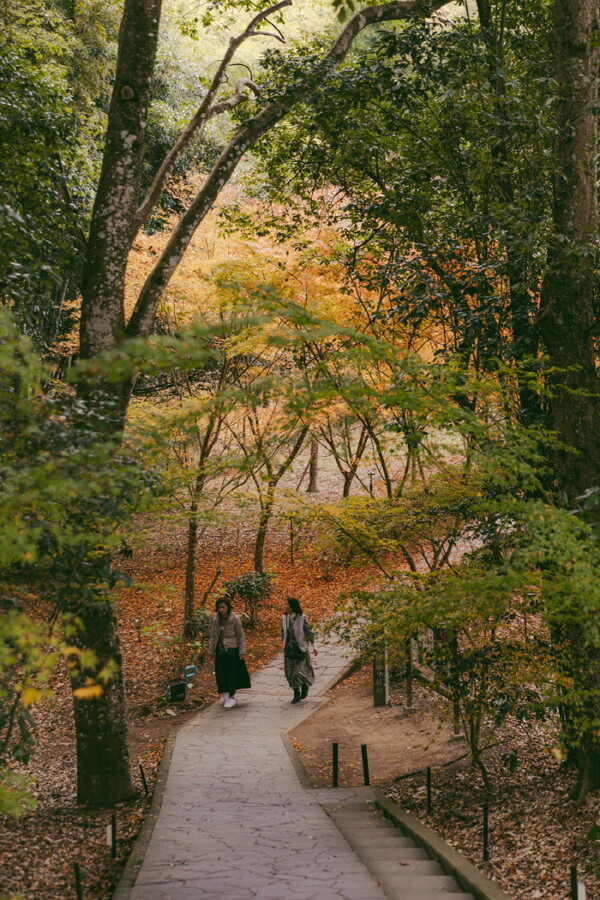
x: 136, y: 857
x: 468, y: 876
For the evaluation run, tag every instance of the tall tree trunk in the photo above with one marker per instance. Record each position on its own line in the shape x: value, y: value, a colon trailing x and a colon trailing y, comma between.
x: 112, y: 229
x: 101, y: 724
x: 524, y: 331
x: 103, y: 775
x: 567, y: 310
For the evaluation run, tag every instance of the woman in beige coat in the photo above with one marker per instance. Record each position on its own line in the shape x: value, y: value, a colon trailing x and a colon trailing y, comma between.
x: 228, y: 645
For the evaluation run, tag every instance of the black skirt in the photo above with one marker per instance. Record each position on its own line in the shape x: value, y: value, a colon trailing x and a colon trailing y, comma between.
x: 230, y: 671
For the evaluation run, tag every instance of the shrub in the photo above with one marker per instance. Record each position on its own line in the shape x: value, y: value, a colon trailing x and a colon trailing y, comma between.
x: 253, y: 588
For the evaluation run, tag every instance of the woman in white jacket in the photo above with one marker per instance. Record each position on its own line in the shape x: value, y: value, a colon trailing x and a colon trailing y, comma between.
x: 296, y: 635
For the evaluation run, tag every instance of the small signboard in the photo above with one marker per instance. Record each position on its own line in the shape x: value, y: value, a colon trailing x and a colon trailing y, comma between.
x: 176, y: 691
x: 189, y: 672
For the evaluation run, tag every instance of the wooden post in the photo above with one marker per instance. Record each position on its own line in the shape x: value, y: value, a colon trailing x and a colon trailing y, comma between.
x: 486, y: 833
x: 409, y: 677
x: 113, y: 836
x: 77, y: 873
x: 334, y: 765
x: 455, y: 683
x: 380, y: 680
x: 429, y: 803
x: 365, y: 764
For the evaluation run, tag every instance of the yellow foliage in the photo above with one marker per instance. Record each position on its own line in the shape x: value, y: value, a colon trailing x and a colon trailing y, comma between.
x: 296, y: 276
x: 90, y: 691
x: 30, y: 696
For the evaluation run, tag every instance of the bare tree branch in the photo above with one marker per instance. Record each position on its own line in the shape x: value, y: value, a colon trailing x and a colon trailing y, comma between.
x: 278, y: 30
x: 237, y: 98
x: 277, y: 37
x: 142, y: 319
x: 202, y: 115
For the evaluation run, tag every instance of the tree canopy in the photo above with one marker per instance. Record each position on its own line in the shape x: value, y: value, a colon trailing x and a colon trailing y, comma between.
x: 430, y: 170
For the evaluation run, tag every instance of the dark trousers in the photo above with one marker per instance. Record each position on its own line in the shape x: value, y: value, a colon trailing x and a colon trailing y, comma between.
x: 226, y: 669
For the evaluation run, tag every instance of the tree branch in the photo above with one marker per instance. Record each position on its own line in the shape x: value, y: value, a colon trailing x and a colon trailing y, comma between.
x: 277, y: 37
x: 142, y: 319
x: 199, y: 119
x: 237, y: 98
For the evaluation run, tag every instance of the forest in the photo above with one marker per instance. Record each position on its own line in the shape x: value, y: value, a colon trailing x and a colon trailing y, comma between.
x: 297, y: 289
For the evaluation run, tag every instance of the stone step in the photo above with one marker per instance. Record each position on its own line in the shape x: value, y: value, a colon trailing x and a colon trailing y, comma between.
x: 387, y: 847
x: 427, y: 894
x: 404, y: 870
x: 422, y: 886
x: 389, y: 851
x: 391, y: 838
x: 409, y: 881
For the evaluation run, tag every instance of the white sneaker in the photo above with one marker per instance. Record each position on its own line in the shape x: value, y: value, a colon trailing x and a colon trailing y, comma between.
x: 224, y: 698
x: 230, y: 703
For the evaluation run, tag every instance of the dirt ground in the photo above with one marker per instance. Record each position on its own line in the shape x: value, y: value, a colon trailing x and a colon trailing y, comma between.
x: 397, y: 742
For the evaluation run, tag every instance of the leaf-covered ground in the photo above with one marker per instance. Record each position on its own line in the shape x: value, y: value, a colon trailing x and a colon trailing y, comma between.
x: 536, y: 831
x: 38, y: 851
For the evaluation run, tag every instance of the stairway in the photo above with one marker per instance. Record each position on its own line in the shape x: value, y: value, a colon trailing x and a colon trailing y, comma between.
x: 404, y: 870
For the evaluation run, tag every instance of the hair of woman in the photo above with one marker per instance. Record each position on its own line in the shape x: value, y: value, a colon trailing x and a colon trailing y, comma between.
x: 294, y: 605
x: 225, y: 601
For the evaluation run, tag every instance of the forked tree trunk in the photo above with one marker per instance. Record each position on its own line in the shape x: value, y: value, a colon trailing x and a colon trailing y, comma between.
x: 111, y: 229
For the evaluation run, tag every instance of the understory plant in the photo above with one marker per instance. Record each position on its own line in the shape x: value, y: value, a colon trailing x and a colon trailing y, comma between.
x: 253, y: 588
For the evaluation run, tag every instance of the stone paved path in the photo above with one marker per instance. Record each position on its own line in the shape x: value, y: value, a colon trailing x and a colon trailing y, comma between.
x: 236, y: 822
